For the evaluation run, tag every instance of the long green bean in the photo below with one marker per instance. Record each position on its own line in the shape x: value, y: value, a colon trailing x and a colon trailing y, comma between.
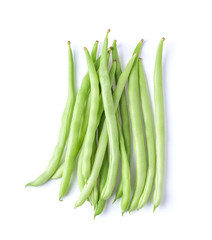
x: 159, y: 126
x: 103, y: 178
x: 126, y: 187
x: 103, y: 140
x: 64, y: 129
x: 91, y: 129
x: 150, y: 139
x: 94, y: 194
x: 84, y: 122
x: 110, y: 117
x: 138, y: 136
x: 125, y: 122
x: 73, y: 145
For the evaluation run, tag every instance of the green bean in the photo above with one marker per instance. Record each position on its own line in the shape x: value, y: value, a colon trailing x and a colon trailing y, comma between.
x: 103, y: 177
x: 80, y: 178
x: 149, y: 130
x: 110, y: 117
x: 91, y: 129
x: 159, y: 126
x: 84, y: 119
x: 138, y: 136
x: 127, y: 140
x: 59, y: 172
x: 64, y: 129
x: 84, y: 123
x: 124, y: 115
x: 126, y: 187
x: 111, y: 75
x: 103, y: 139
x: 94, y: 194
x: 94, y: 51
x: 73, y: 145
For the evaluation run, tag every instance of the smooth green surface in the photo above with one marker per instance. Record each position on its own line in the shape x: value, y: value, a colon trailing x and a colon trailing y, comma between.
x: 85, y: 116
x: 149, y: 132
x: 94, y: 194
x: 73, y: 145
x: 91, y: 129
x: 110, y: 117
x: 102, y: 175
x: 159, y: 127
x: 124, y: 113
x: 126, y: 175
x: 138, y: 136
x: 94, y: 51
x: 125, y: 122
x: 64, y: 129
x: 103, y: 139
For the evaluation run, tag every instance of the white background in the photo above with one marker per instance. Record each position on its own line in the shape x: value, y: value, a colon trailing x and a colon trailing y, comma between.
x: 33, y: 91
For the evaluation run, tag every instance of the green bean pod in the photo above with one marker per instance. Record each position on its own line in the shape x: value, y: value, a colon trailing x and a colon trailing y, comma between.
x: 124, y: 116
x: 126, y: 187
x: 138, y: 136
x: 103, y: 178
x: 94, y: 194
x: 64, y: 129
x: 103, y: 139
x: 150, y: 139
x: 110, y: 117
x: 123, y: 105
x: 91, y: 129
x: 159, y: 127
x: 84, y: 121
x: 73, y: 145
x: 127, y: 139
x: 59, y: 172
x: 85, y: 116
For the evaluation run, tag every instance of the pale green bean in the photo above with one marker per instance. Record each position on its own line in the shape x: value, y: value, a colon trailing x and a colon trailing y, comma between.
x: 64, y: 129
x: 103, y: 140
x: 138, y: 136
x: 159, y: 126
x: 110, y: 117
x: 150, y: 139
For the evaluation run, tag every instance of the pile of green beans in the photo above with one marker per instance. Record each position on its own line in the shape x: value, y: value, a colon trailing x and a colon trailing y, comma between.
x: 96, y: 127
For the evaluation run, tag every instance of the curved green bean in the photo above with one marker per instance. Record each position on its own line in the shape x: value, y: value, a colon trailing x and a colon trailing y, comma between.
x: 110, y: 117
x: 94, y: 194
x: 126, y: 187
x: 138, y: 136
x: 103, y: 178
x: 91, y: 129
x: 84, y: 119
x: 124, y: 115
x: 150, y: 139
x: 64, y: 129
x: 84, y: 123
x: 73, y: 145
x: 126, y: 137
x: 103, y: 139
x: 159, y: 126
